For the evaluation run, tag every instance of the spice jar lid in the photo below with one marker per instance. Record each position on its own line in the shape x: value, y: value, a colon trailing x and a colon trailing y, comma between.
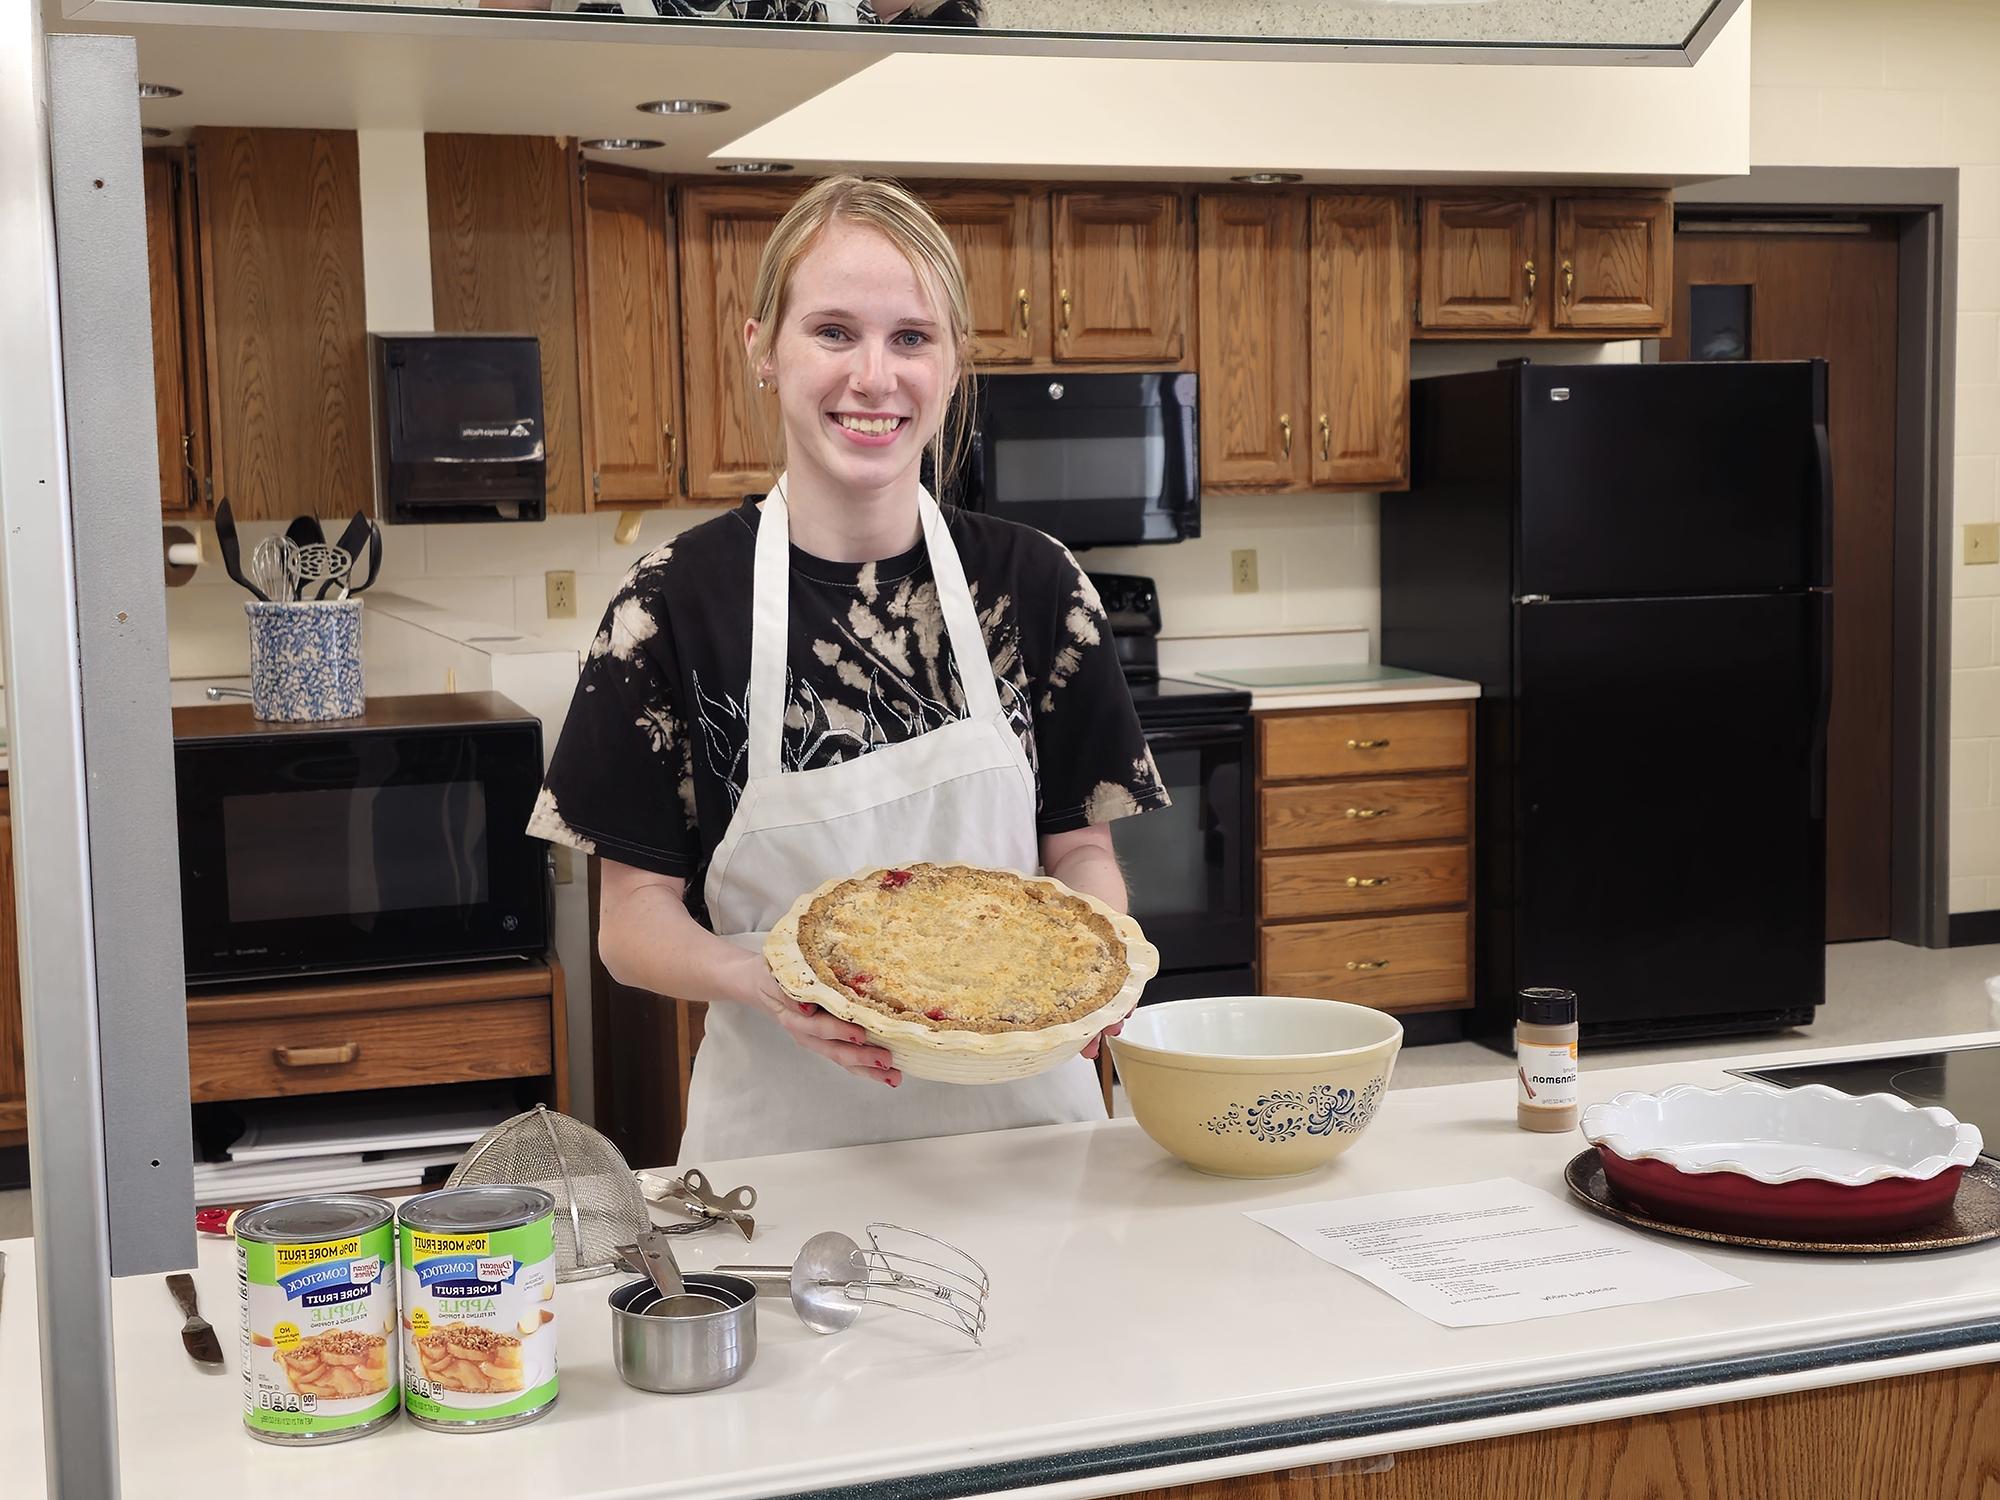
x: 1548, y: 1007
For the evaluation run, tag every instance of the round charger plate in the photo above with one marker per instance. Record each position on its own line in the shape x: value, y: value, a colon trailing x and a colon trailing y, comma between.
x: 1975, y: 1216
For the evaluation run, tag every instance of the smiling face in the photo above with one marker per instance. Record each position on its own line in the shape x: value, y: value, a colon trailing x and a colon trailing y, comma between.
x: 861, y: 361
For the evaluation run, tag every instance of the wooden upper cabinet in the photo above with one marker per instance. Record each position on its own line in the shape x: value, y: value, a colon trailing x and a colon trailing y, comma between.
x: 179, y: 374
x: 1362, y: 268
x: 723, y: 231
x: 286, y: 334
x: 994, y: 236
x: 1255, y: 380
x: 626, y: 332
x: 1484, y: 261
x: 1613, y: 263
x: 503, y: 261
x: 1119, y: 271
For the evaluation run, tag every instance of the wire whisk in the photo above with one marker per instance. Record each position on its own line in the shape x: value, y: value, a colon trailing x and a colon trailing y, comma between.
x: 914, y: 1272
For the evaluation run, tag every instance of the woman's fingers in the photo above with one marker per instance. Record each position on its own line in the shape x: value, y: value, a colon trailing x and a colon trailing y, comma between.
x: 838, y: 1041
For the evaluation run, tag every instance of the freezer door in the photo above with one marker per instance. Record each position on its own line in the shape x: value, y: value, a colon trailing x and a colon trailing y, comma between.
x: 1672, y: 850
x: 1673, y: 479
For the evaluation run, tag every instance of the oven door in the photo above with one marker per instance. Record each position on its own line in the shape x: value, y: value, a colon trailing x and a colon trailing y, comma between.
x: 329, y: 851
x: 1187, y: 867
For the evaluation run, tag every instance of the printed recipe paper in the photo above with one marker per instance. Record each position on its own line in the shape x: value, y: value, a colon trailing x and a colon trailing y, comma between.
x: 1491, y: 1252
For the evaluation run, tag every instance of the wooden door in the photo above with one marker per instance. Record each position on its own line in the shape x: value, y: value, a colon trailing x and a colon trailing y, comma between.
x: 1613, y: 263
x: 723, y: 232
x: 503, y: 261
x: 994, y: 234
x: 1256, y: 382
x: 627, y: 336
x: 1119, y: 264
x: 181, y: 421
x: 1832, y: 297
x: 1484, y: 261
x: 1361, y: 276
x: 13, y: 1040
x: 286, y: 332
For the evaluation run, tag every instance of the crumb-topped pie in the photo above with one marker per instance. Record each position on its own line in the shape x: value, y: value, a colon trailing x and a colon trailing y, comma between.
x: 965, y: 974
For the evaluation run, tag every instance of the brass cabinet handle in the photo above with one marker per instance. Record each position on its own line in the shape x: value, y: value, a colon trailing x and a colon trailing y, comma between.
x: 1367, y: 963
x: 187, y: 454
x: 1569, y: 281
x: 1529, y: 267
x: 317, y: 1057
x: 1369, y: 812
x: 1367, y: 744
x: 1367, y: 882
x: 1285, y: 426
x: 1325, y: 438
x: 1021, y: 302
x: 673, y: 445
x: 1064, y: 294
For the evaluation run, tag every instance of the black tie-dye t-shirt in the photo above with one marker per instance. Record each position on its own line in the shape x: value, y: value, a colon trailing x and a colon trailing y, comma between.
x: 652, y: 757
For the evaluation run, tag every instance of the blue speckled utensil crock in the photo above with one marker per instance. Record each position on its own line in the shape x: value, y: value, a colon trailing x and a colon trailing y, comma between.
x: 305, y: 659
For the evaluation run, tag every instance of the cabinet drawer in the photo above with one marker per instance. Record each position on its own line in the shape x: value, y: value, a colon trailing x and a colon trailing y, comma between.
x: 314, y: 1054
x: 1392, y: 963
x: 1363, y: 741
x: 1393, y: 810
x: 1356, y: 880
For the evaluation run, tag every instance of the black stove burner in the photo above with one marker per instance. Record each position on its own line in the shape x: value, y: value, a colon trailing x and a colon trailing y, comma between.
x: 1965, y: 1081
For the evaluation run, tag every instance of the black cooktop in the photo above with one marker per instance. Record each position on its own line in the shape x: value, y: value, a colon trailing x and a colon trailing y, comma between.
x: 1161, y: 700
x: 1965, y: 1080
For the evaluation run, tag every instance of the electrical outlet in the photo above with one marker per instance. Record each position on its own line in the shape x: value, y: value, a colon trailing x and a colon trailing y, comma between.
x: 1982, y: 543
x: 1243, y: 570
x: 562, y: 595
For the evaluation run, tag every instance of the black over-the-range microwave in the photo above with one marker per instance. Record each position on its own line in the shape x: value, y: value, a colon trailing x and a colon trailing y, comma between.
x: 395, y: 839
x: 1093, y: 460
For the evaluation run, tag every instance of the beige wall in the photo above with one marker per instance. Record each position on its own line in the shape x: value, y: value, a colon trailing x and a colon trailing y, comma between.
x: 1917, y: 83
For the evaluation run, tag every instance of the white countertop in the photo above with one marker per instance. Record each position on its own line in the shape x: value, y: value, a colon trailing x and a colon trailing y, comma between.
x: 1133, y: 1304
x: 1424, y: 688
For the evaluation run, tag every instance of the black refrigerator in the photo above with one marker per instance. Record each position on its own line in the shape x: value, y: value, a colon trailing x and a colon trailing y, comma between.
x: 1633, y: 562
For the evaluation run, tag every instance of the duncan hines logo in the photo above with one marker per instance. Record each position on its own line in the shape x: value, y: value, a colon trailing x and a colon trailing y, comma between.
x: 523, y: 428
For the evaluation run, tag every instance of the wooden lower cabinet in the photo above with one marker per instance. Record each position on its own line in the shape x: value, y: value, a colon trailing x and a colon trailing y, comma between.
x: 1364, y: 855
x: 1916, y: 1437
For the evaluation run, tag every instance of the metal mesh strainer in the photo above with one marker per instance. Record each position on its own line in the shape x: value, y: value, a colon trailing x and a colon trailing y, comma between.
x: 598, y: 1204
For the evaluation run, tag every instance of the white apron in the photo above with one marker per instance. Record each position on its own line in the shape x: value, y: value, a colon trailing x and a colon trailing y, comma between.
x: 961, y: 792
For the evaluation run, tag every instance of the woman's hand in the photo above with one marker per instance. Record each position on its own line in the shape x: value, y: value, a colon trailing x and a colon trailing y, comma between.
x: 840, y: 1042
x: 1090, y: 1047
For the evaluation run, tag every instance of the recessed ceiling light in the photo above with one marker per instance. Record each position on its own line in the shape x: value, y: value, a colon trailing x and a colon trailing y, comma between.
x: 755, y: 168
x: 683, y: 107
x: 1266, y: 179
x: 622, y: 143
x: 158, y: 91
x: 155, y: 132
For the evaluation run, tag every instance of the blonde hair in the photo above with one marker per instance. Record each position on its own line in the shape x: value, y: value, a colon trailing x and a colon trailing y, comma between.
x: 899, y: 216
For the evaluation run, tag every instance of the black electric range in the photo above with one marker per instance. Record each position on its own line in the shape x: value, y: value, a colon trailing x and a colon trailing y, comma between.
x: 1964, y: 1080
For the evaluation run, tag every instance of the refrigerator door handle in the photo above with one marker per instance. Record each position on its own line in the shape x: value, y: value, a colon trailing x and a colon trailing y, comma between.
x: 1819, y: 535
x: 1819, y: 662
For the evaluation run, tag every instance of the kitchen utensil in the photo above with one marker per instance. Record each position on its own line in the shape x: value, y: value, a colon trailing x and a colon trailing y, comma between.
x: 232, y: 550
x: 1803, y: 1163
x: 833, y: 1278
x: 692, y: 1194
x: 274, y: 568
x: 1974, y: 1217
x: 304, y: 531
x: 1263, y: 1086
x: 318, y: 565
x: 361, y: 532
x: 598, y: 1205
x: 690, y: 1351
x: 198, y: 1338
x: 656, y: 1253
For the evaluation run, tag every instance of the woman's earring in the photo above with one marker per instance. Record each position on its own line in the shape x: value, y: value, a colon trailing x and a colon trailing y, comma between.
x: 763, y: 385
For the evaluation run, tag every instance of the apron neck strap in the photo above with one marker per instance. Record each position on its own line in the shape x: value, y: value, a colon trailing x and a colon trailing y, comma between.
x: 770, y: 629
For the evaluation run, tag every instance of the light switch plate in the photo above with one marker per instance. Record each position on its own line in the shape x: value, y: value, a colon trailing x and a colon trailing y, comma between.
x: 562, y: 595
x: 1243, y: 570
x: 1982, y: 542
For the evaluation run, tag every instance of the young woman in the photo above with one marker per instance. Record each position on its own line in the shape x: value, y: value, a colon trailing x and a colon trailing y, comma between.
x: 841, y: 677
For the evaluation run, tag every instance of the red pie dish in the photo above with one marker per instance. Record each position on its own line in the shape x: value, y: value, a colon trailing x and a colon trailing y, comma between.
x: 1804, y: 1163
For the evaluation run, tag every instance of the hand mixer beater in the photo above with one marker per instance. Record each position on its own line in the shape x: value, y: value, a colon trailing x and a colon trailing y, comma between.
x: 906, y: 1269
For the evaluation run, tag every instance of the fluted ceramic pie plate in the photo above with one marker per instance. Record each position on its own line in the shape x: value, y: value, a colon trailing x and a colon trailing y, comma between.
x: 941, y: 1053
x: 1803, y: 1163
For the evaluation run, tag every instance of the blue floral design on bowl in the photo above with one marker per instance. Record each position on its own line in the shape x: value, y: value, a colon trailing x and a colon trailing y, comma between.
x: 1282, y: 1114
x: 305, y: 659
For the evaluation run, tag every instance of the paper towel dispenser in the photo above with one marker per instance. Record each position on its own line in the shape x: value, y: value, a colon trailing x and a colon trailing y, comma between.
x: 458, y: 427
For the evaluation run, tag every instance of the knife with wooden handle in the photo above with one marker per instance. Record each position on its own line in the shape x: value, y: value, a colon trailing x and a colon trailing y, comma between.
x: 196, y: 1335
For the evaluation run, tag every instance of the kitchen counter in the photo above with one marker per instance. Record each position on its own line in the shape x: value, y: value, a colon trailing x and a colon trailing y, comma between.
x: 1422, y: 688
x: 1144, y: 1333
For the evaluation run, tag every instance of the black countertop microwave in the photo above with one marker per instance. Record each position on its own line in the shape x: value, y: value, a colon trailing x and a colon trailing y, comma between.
x: 1093, y: 460
x: 391, y: 840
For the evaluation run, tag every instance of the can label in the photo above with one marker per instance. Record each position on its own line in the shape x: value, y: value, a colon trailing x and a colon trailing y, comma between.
x: 1546, y: 1076
x: 318, y: 1324
x: 479, y: 1338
